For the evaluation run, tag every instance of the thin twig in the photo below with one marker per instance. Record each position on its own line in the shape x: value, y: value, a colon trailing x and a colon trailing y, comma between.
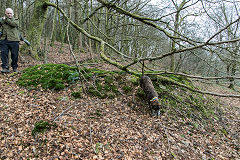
x: 64, y: 112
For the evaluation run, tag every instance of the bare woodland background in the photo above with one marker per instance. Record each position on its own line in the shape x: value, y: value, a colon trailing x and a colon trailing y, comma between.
x: 194, y: 37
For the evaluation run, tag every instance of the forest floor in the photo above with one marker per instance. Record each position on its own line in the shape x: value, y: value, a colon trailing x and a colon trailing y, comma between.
x: 118, y: 133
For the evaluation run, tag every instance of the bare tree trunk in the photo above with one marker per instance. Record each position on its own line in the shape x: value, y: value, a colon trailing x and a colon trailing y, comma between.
x: 177, y: 23
x: 53, y: 35
x: 36, y: 26
x: 232, y: 72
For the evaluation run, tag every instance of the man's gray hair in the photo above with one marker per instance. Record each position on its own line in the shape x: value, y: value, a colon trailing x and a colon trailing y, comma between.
x: 9, y: 9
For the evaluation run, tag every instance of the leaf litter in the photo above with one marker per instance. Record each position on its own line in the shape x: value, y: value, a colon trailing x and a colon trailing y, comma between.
x: 92, y: 128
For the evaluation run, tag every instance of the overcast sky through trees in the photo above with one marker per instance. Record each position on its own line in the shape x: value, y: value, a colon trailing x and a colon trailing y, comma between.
x: 154, y: 1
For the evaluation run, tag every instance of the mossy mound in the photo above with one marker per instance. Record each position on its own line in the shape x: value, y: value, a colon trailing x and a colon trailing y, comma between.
x: 48, y: 76
x: 107, y: 84
x: 176, y: 101
x: 100, y: 83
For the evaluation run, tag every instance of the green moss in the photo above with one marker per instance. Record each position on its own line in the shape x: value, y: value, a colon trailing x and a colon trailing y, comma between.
x: 224, y: 131
x: 48, y: 76
x: 73, y: 77
x: 111, y: 95
x: 140, y: 93
x: 107, y: 87
x: 115, y: 89
x: 41, y: 127
x: 98, y: 113
x: 77, y: 94
x: 106, y: 83
x: 134, y: 80
x: 127, y: 89
x: 92, y: 91
x: 108, y: 79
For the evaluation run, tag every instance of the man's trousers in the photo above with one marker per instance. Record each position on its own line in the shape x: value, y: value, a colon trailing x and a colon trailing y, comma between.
x: 5, y: 47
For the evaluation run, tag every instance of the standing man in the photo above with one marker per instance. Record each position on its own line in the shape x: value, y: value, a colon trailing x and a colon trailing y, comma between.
x: 9, y: 41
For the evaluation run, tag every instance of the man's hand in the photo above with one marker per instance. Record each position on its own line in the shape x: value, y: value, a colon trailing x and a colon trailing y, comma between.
x: 2, y: 19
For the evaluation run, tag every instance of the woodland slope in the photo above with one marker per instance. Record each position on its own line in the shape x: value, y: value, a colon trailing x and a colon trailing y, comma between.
x: 93, y: 128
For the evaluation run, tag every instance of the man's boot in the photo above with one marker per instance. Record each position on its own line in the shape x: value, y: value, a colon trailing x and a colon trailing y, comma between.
x: 5, y: 70
x: 15, y: 70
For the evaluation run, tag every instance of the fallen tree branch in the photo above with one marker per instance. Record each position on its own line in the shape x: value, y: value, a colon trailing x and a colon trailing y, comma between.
x: 195, y: 77
x: 195, y: 90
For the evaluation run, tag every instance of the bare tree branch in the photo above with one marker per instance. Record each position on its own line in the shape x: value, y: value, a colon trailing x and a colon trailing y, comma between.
x: 104, y: 57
